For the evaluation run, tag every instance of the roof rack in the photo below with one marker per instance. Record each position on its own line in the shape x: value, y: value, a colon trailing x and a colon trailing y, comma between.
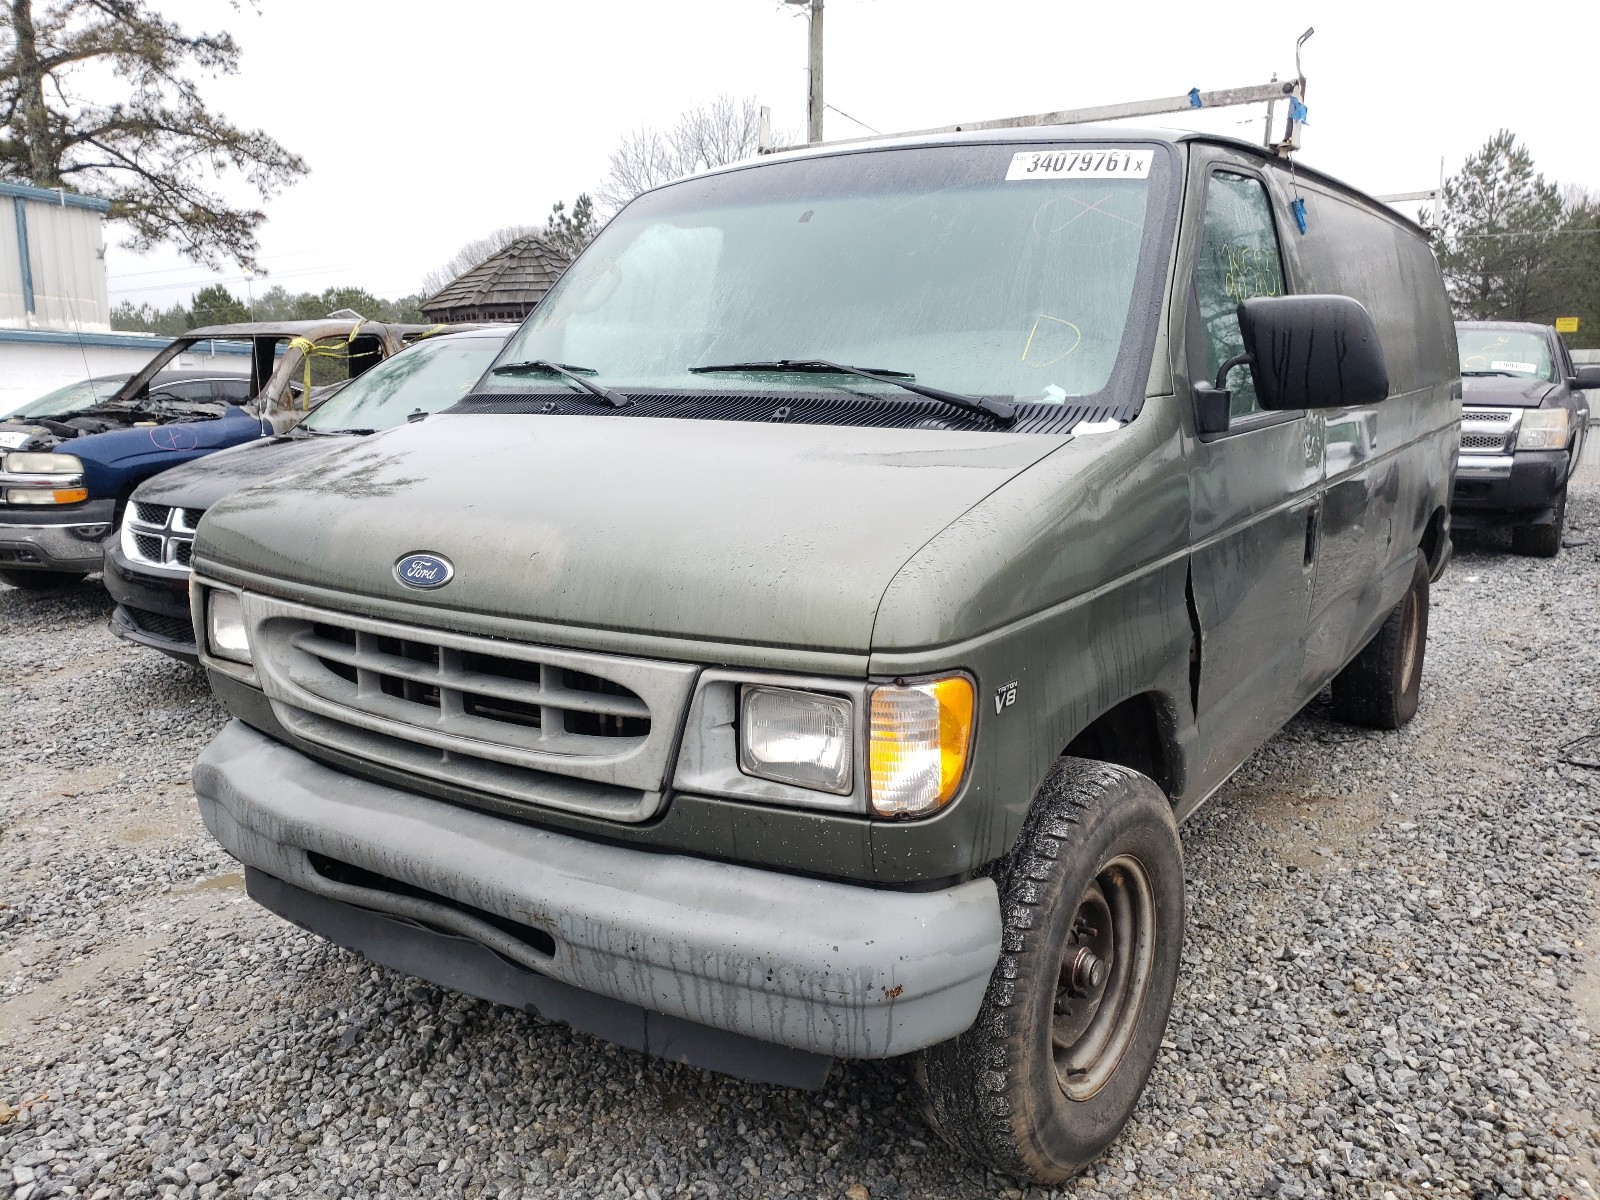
x: 1292, y: 90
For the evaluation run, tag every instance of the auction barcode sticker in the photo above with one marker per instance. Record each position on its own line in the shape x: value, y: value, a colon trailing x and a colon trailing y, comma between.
x: 1092, y: 162
x: 1507, y: 365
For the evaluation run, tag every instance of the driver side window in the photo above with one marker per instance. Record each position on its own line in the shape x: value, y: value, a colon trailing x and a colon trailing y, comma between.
x: 1239, y: 259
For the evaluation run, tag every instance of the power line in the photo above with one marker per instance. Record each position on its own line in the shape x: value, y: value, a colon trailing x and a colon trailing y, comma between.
x: 848, y: 117
x: 1527, y: 233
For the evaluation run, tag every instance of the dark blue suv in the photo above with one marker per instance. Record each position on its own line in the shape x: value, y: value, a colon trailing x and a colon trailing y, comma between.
x: 65, y: 477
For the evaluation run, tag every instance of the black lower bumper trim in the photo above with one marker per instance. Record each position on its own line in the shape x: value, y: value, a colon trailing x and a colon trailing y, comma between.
x: 157, y: 631
x: 465, y: 966
x: 1524, y: 495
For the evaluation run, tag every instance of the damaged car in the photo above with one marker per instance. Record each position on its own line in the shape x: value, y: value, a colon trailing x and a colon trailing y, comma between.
x: 147, y: 567
x: 807, y: 638
x: 66, y: 476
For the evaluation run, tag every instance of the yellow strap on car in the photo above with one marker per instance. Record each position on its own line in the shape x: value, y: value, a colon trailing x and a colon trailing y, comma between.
x: 309, y: 350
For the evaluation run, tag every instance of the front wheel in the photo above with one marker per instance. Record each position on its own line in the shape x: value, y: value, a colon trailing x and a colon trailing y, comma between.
x: 41, y: 581
x: 1091, y: 903
x: 1542, y: 541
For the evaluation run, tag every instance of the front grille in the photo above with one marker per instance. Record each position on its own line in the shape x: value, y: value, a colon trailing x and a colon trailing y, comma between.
x: 159, y: 625
x: 532, y: 724
x: 1488, y: 430
x: 161, y: 536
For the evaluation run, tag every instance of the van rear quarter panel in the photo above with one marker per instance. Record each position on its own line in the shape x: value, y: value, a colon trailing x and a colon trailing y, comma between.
x: 1388, y: 467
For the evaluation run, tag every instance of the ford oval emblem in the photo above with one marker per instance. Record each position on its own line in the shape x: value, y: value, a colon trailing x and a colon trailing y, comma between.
x: 424, y: 571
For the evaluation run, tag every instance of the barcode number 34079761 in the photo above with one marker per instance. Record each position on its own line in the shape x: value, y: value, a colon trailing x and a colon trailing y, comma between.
x: 1090, y: 163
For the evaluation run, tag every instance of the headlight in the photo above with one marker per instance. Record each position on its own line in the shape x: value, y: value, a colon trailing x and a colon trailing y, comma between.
x: 37, y: 495
x: 225, y: 630
x: 1543, y: 429
x: 918, y: 745
x: 802, y: 738
x: 43, y: 464
x: 130, y: 549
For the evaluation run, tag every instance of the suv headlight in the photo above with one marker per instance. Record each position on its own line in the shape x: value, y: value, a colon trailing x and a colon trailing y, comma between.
x: 918, y: 744
x: 1543, y: 429
x: 33, y: 463
x: 803, y: 738
x: 226, y: 634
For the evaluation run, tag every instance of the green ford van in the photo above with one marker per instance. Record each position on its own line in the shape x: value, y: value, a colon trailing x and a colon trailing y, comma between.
x: 806, y: 639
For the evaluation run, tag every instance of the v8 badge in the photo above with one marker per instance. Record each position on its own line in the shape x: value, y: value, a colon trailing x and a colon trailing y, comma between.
x: 1005, y: 696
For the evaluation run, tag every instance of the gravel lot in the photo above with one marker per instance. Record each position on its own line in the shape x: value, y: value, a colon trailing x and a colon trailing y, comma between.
x: 1390, y: 988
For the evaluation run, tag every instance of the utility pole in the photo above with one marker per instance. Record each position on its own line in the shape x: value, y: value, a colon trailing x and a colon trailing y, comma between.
x: 814, y: 101
x: 814, y: 108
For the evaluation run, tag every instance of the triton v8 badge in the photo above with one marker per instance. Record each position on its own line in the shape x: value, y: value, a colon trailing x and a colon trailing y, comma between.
x: 424, y: 571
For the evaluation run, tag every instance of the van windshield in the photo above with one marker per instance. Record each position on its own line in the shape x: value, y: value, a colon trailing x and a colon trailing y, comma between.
x: 995, y: 270
x: 1514, y: 352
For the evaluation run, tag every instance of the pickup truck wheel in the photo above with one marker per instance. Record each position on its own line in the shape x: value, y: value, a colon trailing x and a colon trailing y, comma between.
x: 1091, y: 903
x: 1382, y: 685
x: 1542, y: 541
x: 41, y: 581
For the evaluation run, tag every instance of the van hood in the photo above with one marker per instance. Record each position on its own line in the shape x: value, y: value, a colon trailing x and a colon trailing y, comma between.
x: 201, y: 483
x: 757, y: 533
x: 1502, y: 391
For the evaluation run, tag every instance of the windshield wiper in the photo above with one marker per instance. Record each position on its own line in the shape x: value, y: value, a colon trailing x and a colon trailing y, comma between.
x: 1476, y: 374
x: 566, y: 371
x: 997, y: 410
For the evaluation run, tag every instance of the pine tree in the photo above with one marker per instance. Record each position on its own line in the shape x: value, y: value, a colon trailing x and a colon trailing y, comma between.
x: 154, y: 150
x: 570, y: 232
x: 216, y: 305
x: 1498, y: 243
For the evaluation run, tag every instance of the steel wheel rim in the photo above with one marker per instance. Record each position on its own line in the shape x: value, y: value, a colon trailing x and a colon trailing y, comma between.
x: 1096, y: 1013
x: 1409, y: 639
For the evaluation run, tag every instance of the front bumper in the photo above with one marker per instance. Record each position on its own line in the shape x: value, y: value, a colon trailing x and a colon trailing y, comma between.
x: 704, y: 955
x: 1507, y: 489
x: 56, y: 541
x: 152, y: 608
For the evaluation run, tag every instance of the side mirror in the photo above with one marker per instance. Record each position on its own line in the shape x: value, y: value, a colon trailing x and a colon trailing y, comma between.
x: 1588, y: 376
x: 1313, y: 352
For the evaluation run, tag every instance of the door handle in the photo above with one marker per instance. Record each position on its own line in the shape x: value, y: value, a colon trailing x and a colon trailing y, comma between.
x: 1313, y: 533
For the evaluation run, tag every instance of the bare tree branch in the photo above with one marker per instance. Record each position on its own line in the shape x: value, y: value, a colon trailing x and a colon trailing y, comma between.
x: 724, y: 131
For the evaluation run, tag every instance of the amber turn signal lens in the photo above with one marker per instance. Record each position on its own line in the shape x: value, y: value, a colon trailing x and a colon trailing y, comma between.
x: 918, y: 744
x: 42, y: 496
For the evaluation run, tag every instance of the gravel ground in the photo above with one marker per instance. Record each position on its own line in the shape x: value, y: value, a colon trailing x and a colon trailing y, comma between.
x: 1390, y: 986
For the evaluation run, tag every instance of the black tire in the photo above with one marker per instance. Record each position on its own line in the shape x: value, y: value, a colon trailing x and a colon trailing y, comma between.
x: 41, y: 581
x: 1099, y: 840
x: 1383, y: 684
x: 1542, y: 541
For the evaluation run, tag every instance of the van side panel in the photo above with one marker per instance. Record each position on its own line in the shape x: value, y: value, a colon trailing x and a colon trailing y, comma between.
x: 1388, y: 466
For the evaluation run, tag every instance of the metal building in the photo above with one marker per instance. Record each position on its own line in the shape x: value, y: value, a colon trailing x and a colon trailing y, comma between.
x: 55, y: 316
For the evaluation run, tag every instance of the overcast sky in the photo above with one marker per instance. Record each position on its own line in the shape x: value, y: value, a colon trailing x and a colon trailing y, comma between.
x: 426, y: 126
